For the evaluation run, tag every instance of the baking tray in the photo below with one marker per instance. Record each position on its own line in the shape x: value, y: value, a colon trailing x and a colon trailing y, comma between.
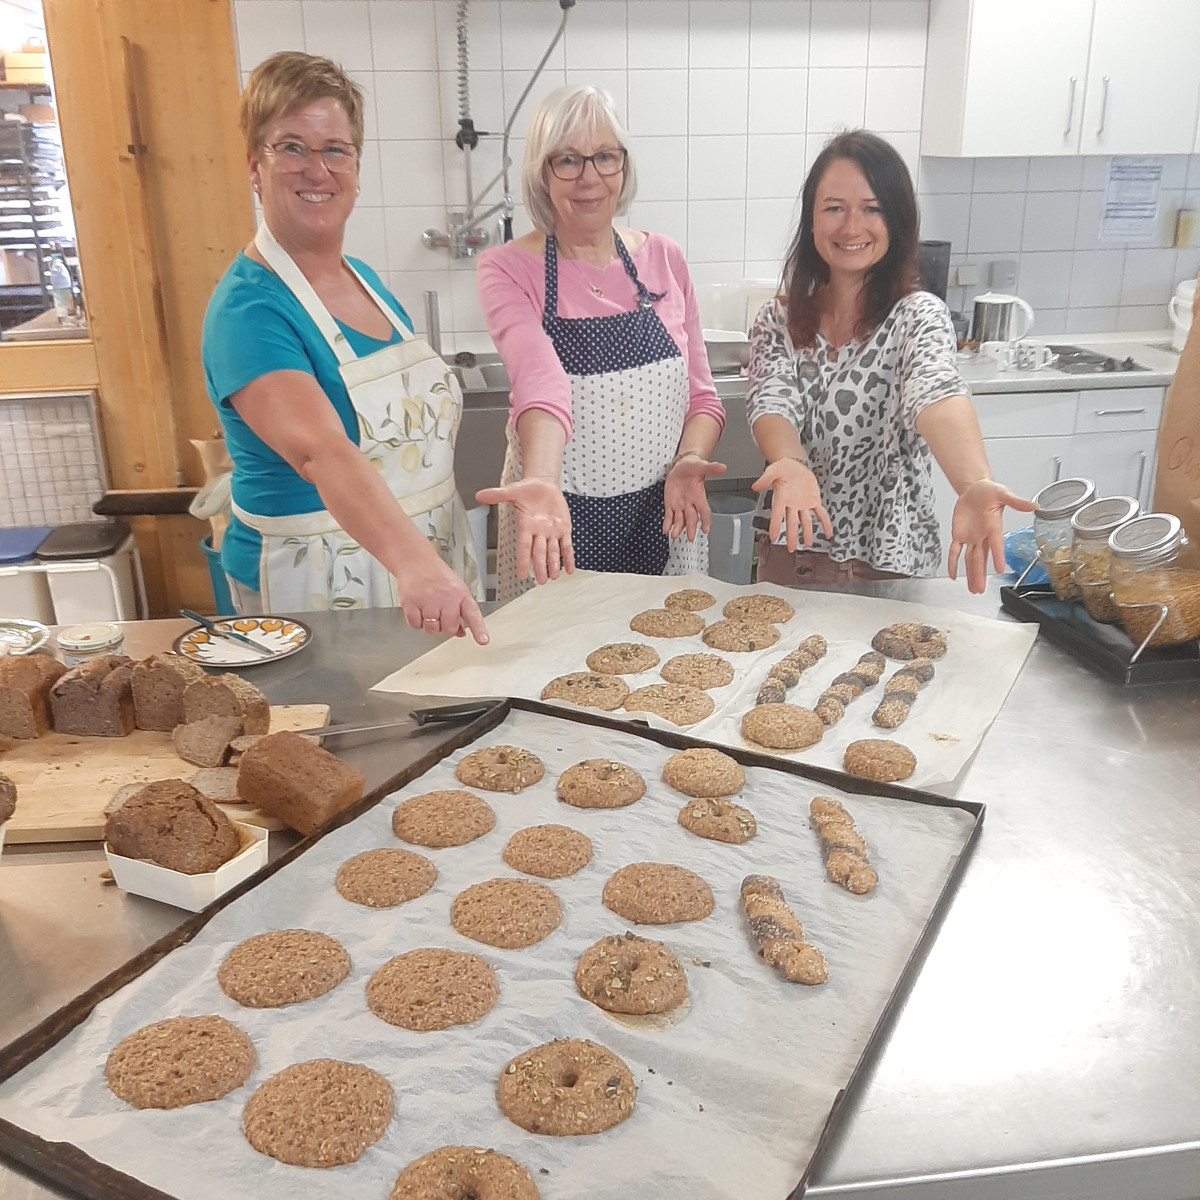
x: 67, y: 1166
x: 1105, y: 648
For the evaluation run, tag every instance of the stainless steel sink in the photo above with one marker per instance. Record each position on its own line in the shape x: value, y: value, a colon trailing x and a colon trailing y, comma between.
x: 480, y: 372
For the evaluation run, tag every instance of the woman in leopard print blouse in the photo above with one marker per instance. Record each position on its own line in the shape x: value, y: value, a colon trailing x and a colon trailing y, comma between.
x: 854, y: 385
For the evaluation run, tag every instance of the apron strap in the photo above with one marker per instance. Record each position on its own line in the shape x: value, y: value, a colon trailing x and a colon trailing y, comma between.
x: 278, y: 259
x: 646, y: 298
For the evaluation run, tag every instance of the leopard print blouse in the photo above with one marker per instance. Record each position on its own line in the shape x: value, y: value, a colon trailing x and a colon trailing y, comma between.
x: 855, y: 409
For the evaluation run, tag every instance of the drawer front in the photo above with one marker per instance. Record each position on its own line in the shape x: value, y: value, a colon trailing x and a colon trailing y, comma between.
x: 1113, y: 410
x: 1026, y: 414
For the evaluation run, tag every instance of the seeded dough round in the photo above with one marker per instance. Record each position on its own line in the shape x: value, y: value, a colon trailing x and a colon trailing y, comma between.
x: 600, y: 783
x: 782, y: 726
x: 320, y: 1113
x: 630, y: 974
x: 879, y: 759
x: 432, y: 989
x: 183, y: 1060
x: 500, y: 769
x: 698, y: 670
x: 910, y: 639
x: 667, y: 623
x: 508, y: 913
x: 658, y: 894
x: 588, y: 689
x: 690, y: 600
x: 674, y: 702
x: 623, y: 658
x: 385, y: 878
x: 759, y: 607
x: 719, y: 820
x: 286, y: 966
x: 565, y: 1088
x: 464, y: 1173
x: 704, y: 771
x: 440, y: 819
x: 548, y: 851
x: 741, y: 636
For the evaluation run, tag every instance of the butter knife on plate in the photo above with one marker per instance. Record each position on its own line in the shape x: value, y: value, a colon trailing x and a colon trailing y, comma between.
x: 228, y: 634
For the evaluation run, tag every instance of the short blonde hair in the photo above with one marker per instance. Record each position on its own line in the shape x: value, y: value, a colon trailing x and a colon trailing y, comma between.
x: 562, y: 115
x: 289, y: 81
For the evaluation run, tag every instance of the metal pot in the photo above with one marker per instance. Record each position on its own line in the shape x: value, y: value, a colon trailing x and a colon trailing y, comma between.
x: 993, y: 320
x: 728, y: 350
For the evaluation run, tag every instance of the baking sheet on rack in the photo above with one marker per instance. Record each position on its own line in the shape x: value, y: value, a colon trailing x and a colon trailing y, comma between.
x: 731, y: 1099
x: 550, y: 631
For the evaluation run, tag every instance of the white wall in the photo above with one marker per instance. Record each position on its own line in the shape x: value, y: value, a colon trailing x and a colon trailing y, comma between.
x: 727, y: 102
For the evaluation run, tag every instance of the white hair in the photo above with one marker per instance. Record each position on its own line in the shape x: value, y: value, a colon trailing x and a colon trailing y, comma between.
x: 561, y: 116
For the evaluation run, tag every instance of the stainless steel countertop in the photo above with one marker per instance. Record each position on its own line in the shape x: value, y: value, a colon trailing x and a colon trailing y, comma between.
x: 1050, y: 1047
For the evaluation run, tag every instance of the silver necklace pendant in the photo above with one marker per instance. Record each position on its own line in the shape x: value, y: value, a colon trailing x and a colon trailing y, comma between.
x: 597, y: 291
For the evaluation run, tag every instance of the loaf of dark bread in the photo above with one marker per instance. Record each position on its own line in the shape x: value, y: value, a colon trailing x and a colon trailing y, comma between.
x: 8, y: 798
x: 227, y: 695
x: 95, y: 699
x: 170, y: 823
x: 25, y: 683
x: 158, y: 684
x: 206, y: 742
x: 292, y: 778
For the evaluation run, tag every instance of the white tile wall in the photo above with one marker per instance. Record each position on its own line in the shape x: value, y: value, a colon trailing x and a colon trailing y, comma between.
x: 727, y: 102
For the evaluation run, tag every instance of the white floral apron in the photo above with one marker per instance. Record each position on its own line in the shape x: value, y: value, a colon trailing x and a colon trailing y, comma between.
x: 409, y: 406
x: 630, y: 394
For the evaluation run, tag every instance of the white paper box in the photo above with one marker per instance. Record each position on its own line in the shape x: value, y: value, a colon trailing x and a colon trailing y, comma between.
x: 192, y: 892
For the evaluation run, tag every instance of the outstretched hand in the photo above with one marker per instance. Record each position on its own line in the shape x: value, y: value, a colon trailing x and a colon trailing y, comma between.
x: 795, y: 501
x: 684, y: 498
x: 977, y: 527
x: 543, y: 526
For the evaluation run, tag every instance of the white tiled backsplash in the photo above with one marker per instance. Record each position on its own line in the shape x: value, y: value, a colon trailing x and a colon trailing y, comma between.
x: 727, y: 102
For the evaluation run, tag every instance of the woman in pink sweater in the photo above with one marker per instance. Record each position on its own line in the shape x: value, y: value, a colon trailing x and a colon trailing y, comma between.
x: 613, y: 411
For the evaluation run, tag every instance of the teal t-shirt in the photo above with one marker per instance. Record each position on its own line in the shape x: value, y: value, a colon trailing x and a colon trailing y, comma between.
x: 254, y: 325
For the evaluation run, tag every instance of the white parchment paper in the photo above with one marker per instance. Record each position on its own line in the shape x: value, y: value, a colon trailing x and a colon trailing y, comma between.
x: 732, y: 1096
x: 551, y: 630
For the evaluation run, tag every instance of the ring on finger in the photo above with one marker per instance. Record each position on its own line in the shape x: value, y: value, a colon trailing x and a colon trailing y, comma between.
x: 435, y: 622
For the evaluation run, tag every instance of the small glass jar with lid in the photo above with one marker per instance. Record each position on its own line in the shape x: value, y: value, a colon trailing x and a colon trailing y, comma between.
x: 1055, y: 505
x: 1155, y: 576
x: 1090, y: 555
x: 81, y: 643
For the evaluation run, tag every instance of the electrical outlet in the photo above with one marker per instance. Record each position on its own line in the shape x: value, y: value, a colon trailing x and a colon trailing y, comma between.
x: 1004, y: 274
x: 966, y: 274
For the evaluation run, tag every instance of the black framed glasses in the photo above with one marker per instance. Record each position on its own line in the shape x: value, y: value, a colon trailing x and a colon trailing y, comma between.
x: 571, y: 166
x: 339, y: 157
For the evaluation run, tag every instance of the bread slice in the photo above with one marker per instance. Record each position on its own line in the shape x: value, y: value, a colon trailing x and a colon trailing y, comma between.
x: 25, y: 683
x: 8, y: 798
x: 206, y: 742
x: 158, y: 683
x: 95, y: 699
x: 292, y: 778
x: 170, y: 823
x: 227, y: 695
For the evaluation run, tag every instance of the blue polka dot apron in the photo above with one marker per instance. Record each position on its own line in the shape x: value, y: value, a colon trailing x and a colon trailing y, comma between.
x: 629, y: 398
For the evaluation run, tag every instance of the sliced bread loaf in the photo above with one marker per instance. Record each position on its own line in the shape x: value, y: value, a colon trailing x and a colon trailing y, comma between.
x: 292, y: 778
x: 170, y: 823
x: 206, y: 742
x: 158, y: 684
x: 95, y: 699
x: 227, y: 695
x: 8, y: 798
x: 25, y: 683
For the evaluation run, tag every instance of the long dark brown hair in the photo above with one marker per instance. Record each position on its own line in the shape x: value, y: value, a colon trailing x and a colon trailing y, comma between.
x: 805, y: 272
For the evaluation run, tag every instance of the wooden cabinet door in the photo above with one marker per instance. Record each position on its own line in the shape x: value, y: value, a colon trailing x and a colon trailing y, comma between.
x: 1143, y: 84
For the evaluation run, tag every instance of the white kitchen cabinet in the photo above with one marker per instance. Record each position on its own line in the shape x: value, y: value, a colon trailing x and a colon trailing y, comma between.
x: 1115, y: 434
x: 1026, y: 77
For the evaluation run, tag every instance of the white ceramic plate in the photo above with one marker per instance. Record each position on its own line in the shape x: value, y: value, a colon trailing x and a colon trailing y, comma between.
x: 22, y: 637
x: 281, y: 636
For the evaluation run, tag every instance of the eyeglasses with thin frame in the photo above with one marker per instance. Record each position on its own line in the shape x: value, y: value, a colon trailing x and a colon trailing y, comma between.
x: 339, y: 157
x: 572, y: 166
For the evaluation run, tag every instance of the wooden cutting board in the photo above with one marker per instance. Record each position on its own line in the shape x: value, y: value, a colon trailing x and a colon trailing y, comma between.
x: 64, y: 782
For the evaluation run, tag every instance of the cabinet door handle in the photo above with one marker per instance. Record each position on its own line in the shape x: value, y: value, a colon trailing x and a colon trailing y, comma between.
x: 1071, y: 106
x: 1104, y: 82
x: 1057, y: 469
x: 1119, y: 412
x: 1137, y: 491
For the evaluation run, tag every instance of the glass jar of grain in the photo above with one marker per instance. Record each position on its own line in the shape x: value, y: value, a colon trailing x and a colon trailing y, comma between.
x: 1090, y: 555
x: 1055, y: 505
x: 1155, y: 577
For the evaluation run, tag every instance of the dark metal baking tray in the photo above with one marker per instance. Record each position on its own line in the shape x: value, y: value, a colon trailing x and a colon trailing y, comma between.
x: 1104, y: 648
x: 66, y: 1166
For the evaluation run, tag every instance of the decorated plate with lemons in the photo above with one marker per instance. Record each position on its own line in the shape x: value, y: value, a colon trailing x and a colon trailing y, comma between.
x: 279, y: 635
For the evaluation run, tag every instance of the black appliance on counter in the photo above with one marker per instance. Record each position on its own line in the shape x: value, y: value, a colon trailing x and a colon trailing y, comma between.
x: 933, y: 267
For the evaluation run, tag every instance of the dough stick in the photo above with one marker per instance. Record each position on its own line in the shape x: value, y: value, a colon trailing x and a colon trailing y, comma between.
x: 900, y: 691
x: 842, y: 845
x: 778, y: 932
x: 831, y: 704
x: 787, y: 671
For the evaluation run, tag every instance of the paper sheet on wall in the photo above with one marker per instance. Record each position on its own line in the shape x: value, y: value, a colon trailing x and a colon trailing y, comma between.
x: 550, y: 631
x: 1131, y: 199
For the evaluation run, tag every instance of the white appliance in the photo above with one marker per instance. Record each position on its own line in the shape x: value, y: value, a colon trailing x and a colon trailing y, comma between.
x: 1180, y: 309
